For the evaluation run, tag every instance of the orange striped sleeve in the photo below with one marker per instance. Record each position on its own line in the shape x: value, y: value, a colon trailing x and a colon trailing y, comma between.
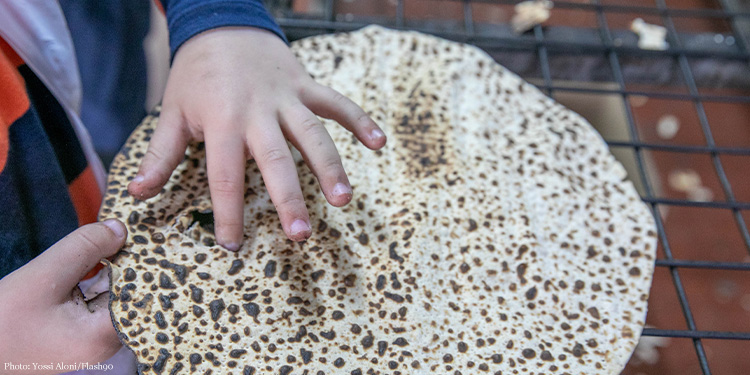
x: 86, y: 197
x: 14, y: 101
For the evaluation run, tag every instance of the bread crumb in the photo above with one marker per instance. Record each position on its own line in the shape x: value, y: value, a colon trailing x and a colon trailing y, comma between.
x: 650, y: 36
x: 529, y: 14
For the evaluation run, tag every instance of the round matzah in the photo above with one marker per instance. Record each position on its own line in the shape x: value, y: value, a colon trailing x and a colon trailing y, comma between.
x: 494, y: 233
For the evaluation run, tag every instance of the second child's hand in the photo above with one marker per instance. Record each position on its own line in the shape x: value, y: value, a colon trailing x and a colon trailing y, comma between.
x: 242, y: 91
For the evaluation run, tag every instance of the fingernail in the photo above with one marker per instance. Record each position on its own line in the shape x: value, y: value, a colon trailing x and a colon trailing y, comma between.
x: 138, y: 179
x: 115, y: 227
x: 299, y: 226
x: 232, y: 246
x: 341, y: 189
x: 376, y: 134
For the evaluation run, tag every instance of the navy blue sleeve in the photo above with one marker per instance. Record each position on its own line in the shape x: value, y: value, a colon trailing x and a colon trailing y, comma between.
x: 186, y: 18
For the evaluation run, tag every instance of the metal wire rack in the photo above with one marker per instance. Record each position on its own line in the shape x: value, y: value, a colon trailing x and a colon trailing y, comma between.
x: 585, y: 49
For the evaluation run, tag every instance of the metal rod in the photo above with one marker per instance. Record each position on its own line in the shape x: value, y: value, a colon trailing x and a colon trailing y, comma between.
x: 683, y: 149
x: 543, y: 58
x: 468, y: 19
x: 330, y: 13
x: 649, y: 94
x: 687, y: 13
x: 697, y: 334
x: 400, y: 14
x: 679, y: 202
x: 703, y: 264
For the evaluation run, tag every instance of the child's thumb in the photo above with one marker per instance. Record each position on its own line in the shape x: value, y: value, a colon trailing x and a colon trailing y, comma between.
x: 71, y: 258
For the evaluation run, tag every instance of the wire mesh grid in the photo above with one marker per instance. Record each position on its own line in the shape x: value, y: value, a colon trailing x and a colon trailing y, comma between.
x: 692, y: 87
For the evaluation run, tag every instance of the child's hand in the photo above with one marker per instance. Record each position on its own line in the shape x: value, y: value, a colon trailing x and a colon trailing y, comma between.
x: 244, y: 93
x: 44, y: 316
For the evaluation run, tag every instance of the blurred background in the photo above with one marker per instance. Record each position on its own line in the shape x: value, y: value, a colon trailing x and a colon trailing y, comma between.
x: 678, y: 118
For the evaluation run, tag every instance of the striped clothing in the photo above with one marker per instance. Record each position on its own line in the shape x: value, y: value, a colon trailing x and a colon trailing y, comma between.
x: 48, y: 187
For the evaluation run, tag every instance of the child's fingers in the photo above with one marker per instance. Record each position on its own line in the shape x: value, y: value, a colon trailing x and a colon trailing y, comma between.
x: 329, y: 103
x: 165, y: 151
x: 271, y: 153
x: 225, y: 161
x: 305, y: 131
